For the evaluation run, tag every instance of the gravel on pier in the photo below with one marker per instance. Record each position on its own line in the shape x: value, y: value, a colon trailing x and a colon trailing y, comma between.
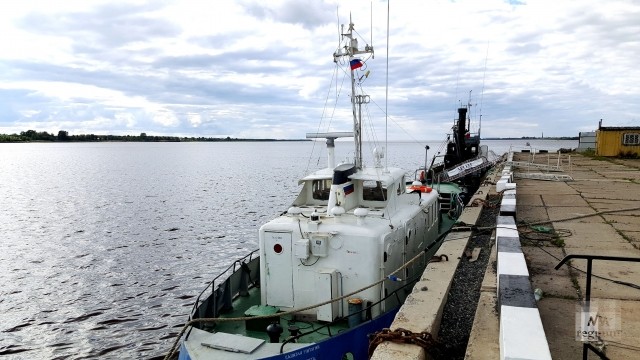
x: 460, y: 309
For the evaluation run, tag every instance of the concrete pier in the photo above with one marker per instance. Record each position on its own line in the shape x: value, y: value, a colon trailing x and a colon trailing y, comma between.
x: 553, y: 219
x: 598, y: 185
x: 423, y: 309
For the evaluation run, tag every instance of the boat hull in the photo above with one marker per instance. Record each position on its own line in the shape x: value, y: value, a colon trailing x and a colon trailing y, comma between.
x: 350, y: 344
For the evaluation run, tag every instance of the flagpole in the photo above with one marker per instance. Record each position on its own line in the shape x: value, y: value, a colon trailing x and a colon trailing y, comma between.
x: 349, y: 51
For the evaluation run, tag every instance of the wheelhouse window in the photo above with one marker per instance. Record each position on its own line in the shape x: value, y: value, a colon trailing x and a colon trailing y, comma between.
x: 631, y: 139
x: 321, y: 189
x: 373, y: 191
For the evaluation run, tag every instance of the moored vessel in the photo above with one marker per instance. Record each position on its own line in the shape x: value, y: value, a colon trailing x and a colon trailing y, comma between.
x: 465, y: 160
x: 333, y: 268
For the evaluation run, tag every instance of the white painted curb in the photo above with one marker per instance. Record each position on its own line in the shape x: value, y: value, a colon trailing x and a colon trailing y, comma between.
x: 521, y: 333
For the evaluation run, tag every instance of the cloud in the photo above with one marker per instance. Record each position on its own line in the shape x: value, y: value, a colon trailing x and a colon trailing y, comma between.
x: 261, y: 69
x: 307, y: 13
x: 111, y: 25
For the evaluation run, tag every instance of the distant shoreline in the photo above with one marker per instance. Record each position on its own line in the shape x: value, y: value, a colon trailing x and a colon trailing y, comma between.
x: 534, y: 138
x: 64, y: 137
x: 149, y: 141
x: 32, y: 136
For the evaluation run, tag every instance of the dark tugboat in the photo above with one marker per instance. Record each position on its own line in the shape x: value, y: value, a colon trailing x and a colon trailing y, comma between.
x: 465, y: 161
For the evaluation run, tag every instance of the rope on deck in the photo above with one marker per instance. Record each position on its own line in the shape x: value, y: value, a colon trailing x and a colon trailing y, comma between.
x: 578, y: 217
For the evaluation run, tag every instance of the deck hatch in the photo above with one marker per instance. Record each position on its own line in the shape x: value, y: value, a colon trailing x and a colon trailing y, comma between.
x: 327, y: 288
x: 233, y: 343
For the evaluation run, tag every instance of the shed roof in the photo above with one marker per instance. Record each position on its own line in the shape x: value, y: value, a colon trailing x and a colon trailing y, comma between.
x: 620, y: 128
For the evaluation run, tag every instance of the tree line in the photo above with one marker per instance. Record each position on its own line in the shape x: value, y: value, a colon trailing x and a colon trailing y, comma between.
x: 32, y: 135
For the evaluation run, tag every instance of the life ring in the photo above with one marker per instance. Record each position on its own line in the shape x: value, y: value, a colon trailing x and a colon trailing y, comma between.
x: 421, y: 188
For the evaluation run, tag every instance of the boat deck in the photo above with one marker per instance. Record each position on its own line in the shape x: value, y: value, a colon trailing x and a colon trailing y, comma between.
x: 243, y: 334
x: 314, y: 330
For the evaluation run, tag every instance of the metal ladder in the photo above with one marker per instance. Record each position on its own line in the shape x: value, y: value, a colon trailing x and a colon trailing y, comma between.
x: 529, y: 165
x: 541, y: 176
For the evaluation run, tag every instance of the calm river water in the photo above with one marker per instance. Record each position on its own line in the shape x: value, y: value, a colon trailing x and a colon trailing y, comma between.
x: 104, y: 246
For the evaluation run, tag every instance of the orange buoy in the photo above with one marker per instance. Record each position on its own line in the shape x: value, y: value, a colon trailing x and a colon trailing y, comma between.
x: 422, y: 188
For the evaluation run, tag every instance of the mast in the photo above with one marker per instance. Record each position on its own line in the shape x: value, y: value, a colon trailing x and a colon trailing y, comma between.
x: 349, y: 50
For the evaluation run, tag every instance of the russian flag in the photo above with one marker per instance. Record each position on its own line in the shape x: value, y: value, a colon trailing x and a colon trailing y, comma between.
x: 356, y: 63
x: 348, y: 189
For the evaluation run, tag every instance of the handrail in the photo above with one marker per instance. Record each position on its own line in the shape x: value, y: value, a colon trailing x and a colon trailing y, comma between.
x: 595, y: 257
x: 231, y: 267
x: 590, y: 259
x: 587, y: 346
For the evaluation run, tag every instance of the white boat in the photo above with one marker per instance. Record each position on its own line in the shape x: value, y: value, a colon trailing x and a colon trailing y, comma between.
x: 332, y: 269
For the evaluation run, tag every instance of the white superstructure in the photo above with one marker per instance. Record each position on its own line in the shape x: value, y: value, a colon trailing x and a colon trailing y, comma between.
x: 321, y: 248
x: 349, y: 227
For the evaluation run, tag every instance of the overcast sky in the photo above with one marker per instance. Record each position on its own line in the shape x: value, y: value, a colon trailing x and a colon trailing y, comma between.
x: 264, y: 69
